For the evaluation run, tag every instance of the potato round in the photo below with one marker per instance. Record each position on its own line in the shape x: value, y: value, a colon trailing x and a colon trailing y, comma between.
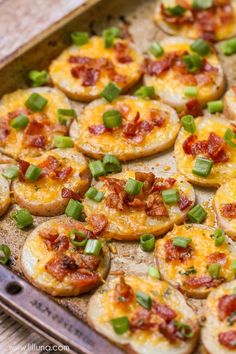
x: 130, y: 223
x: 192, y: 30
x: 15, y: 143
x: 170, y: 84
x: 103, y: 308
x: 43, y: 196
x: 60, y: 69
x: 158, y: 139
x: 213, y: 326
x: 35, y: 256
x: 230, y: 103
x: 5, y: 199
x: 195, y: 261
x: 220, y: 172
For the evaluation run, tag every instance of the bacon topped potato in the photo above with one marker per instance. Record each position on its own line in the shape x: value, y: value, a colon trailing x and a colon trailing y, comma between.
x: 146, y: 127
x: 213, y: 20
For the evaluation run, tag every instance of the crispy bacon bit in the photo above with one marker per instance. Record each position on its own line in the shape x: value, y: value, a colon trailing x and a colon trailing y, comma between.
x: 163, y: 183
x: 141, y: 320
x: 197, y: 281
x: 123, y: 109
x: 64, y: 173
x: 89, y: 76
x: 36, y: 141
x: 184, y: 202
x: 52, y: 167
x: 216, y: 257
x: 157, y: 67
x: 164, y: 311
x: 158, y: 118
x: 194, y: 108
x: 228, y: 210
x: 4, y: 130
x: 17, y: 112
x: 60, y: 266
x: 23, y: 165
x: 85, y: 261
x: 177, y: 253
x: 123, y: 292
x: 68, y: 193
x: 98, y: 129
x: 85, y: 279
x: 34, y: 134
x: 215, y: 144
x: 228, y: 339
x: 122, y: 53
x: 155, y: 206
x: 98, y: 223
x: 226, y: 305
x: 145, y: 177
x: 168, y: 330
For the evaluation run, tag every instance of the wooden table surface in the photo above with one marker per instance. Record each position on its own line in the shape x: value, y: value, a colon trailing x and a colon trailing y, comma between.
x: 20, y: 21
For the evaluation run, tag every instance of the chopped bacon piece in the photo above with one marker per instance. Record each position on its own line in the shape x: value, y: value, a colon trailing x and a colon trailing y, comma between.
x: 177, y: 253
x: 215, y: 144
x: 85, y: 280
x: 184, y: 202
x: 229, y: 210
x: 122, y: 53
x: 155, y: 206
x: 157, y: 67
x: 123, y: 109
x: 216, y: 257
x: 23, y: 165
x: 98, y: 129
x: 226, y: 305
x: 145, y: 176
x: 55, y: 242
x: 228, y: 339
x: 38, y: 141
x: 17, y: 112
x: 164, y: 311
x: 68, y: 193
x: 123, y: 292
x: 141, y: 320
x: 52, y: 167
x: 163, y: 183
x: 168, y: 330
x: 4, y: 130
x: 60, y: 266
x: 194, y: 108
x: 34, y: 134
x: 89, y: 76
x: 197, y: 281
x: 85, y: 261
x: 158, y: 118
x: 98, y: 223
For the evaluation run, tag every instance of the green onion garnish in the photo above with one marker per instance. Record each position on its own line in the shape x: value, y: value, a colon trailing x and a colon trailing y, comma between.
x: 23, y: 218
x: 145, y: 92
x: 188, y: 123
x: 193, y: 62
x: 202, y: 167
x: 74, y: 234
x: 20, y: 122
x: 111, y: 92
x: 111, y: 163
x: 93, y: 194
x: 214, y: 270
x: 112, y: 119
x: 79, y: 38
x: 215, y: 106
x: 229, y: 136
x: 120, y: 324
x: 74, y: 209
x: 6, y: 254
x: 11, y: 172
x: 156, y: 49
x: 93, y: 247
x: 197, y: 214
x: 202, y: 4
x: 154, y: 273
x: 201, y: 47
x: 233, y: 266
x: 38, y: 77
x: 170, y: 196
x: 97, y: 169
x: 144, y: 299
x: 219, y: 237
x: 63, y: 115
x: 133, y: 186
x: 33, y: 172
x: 190, y: 91
x: 185, y: 330
x: 61, y: 141
x: 36, y: 102
x: 109, y: 36
x: 229, y: 47
x: 181, y: 241
x: 176, y: 10
x: 147, y: 242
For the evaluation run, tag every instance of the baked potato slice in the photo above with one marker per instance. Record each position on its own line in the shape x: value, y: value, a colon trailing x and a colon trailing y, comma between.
x: 5, y: 199
x: 230, y: 103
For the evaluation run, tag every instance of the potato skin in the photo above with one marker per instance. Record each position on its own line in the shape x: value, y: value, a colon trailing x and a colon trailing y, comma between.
x: 230, y: 104
x: 5, y: 199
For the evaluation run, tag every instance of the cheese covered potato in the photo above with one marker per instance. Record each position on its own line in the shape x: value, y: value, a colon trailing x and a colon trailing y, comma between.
x: 82, y: 72
x: 28, y: 129
x: 193, y: 259
x: 145, y: 128
x: 214, y: 20
x: 5, y: 199
x: 46, y: 182
x: 142, y: 315
x: 230, y: 103
x: 219, y: 157
x: 55, y: 258
x: 174, y: 70
x: 134, y: 204
x: 219, y: 330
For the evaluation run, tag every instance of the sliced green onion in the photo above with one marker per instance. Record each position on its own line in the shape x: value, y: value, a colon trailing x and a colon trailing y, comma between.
x: 214, y: 270
x: 61, y: 141
x: 233, y: 266
x: 111, y: 92
x: 111, y: 163
x: 23, y: 218
x: 93, y: 247
x: 219, y: 237
x: 120, y: 324
x: 11, y: 172
x: 74, y: 234
x: 193, y: 62
x: 185, y: 330
x: 201, y: 47
x: 202, y: 4
x: 38, y: 77
x: 64, y: 114
x: 229, y: 136
x: 170, y: 196
x: 94, y: 194
x: 188, y: 123
x: 215, y: 106
x: 190, y: 91
x: 74, y: 209
x: 176, y: 10
x: 79, y: 38
x: 154, y: 273
x: 112, y: 119
x: 109, y: 36
x: 143, y: 299
x: 229, y: 47
x: 36, y: 102
x: 197, y: 214
x: 145, y: 92
x: 20, y: 122
x: 202, y: 167
x: 97, y: 169
x: 156, y: 49
x: 6, y: 254
x: 33, y: 172
x: 147, y: 242
x: 133, y: 186
x: 181, y: 241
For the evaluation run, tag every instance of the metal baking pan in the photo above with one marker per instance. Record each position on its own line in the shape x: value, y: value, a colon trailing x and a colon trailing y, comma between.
x: 93, y: 16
